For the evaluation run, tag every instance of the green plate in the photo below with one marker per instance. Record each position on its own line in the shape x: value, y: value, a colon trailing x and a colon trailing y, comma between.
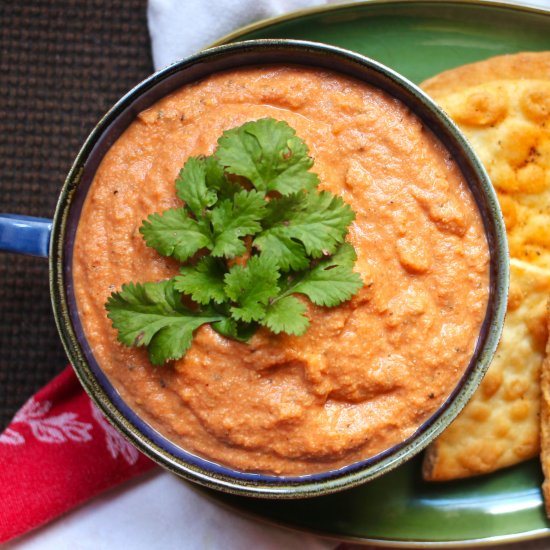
x: 418, y: 39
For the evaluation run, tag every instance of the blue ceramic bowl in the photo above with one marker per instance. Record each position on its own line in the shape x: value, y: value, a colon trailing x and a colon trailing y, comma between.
x: 32, y: 237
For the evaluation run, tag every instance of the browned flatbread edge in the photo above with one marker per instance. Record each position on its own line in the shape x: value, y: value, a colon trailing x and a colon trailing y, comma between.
x: 520, y: 66
x: 545, y: 422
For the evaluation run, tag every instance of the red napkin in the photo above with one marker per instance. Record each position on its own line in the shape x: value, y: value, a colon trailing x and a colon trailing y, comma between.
x: 58, y: 452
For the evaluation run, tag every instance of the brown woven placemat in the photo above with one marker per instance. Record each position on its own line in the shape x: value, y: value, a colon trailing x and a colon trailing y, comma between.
x: 63, y: 63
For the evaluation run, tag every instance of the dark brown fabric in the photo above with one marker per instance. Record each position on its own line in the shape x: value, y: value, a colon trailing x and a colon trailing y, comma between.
x: 63, y: 63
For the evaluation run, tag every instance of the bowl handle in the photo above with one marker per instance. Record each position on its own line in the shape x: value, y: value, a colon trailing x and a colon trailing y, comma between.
x: 25, y: 234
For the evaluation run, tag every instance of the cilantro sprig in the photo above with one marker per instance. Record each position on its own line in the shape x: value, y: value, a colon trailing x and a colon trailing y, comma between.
x: 253, y: 233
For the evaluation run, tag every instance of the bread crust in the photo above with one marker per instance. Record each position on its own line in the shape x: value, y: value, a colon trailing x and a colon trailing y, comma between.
x: 520, y: 66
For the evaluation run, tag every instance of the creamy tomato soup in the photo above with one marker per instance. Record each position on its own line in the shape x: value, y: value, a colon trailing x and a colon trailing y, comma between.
x: 367, y: 373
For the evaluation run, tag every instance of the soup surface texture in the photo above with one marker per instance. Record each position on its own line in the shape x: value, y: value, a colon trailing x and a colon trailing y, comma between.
x: 367, y: 373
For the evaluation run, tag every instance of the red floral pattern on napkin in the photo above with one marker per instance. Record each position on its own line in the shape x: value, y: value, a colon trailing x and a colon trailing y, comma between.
x: 58, y: 452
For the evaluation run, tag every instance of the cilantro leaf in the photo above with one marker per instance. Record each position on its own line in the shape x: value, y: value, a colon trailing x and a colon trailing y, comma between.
x: 254, y: 230
x: 288, y: 254
x: 214, y: 174
x: 331, y: 281
x: 251, y: 287
x: 191, y: 186
x: 237, y: 330
x: 152, y: 314
x: 321, y: 224
x: 318, y: 221
x: 233, y: 219
x: 216, y: 179
x: 286, y: 315
x: 227, y: 327
x: 344, y: 256
x: 174, y: 233
x: 203, y: 282
x: 269, y: 154
x: 280, y: 210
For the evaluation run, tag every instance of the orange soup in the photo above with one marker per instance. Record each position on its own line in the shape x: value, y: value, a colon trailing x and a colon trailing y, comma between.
x: 367, y: 373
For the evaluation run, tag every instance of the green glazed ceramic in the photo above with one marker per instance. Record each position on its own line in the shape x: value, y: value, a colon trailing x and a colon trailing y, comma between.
x: 418, y: 39
x: 145, y: 437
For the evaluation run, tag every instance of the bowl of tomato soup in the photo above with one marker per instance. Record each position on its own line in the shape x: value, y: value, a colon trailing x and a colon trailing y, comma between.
x: 373, y: 380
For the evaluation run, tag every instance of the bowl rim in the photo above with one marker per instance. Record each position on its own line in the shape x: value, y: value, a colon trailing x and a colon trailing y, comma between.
x: 158, y: 447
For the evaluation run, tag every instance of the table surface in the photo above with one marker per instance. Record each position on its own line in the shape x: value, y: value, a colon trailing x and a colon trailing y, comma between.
x: 63, y: 64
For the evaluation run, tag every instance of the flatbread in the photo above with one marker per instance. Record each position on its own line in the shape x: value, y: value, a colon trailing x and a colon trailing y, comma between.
x: 545, y: 422
x: 503, y: 107
x: 500, y: 425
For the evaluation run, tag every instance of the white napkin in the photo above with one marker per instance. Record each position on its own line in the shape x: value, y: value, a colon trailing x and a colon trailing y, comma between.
x: 179, y: 28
